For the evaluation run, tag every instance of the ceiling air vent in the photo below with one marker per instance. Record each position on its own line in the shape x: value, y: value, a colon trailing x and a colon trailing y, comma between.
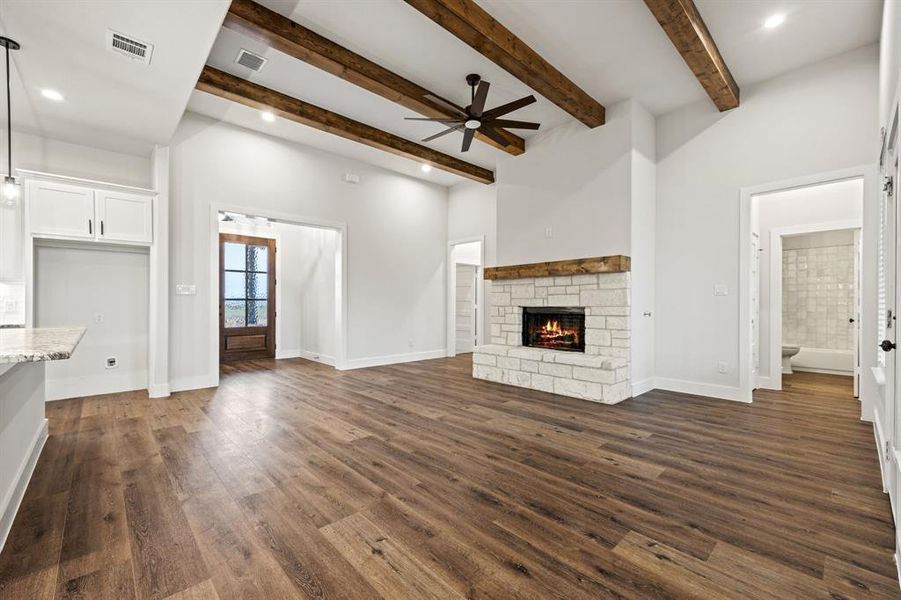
x: 248, y: 59
x: 128, y: 46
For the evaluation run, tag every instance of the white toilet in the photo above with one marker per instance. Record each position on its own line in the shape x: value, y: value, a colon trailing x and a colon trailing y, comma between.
x: 787, y: 353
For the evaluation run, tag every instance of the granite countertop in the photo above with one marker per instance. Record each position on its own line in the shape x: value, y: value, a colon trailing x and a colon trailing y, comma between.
x: 36, y: 345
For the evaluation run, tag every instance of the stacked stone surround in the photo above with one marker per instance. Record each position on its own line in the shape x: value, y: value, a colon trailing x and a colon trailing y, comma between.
x: 601, y: 374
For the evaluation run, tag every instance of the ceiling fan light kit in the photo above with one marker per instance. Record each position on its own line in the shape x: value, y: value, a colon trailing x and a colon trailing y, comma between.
x: 475, y: 117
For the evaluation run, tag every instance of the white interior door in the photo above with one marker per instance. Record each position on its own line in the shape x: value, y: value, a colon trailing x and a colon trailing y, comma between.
x: 755, y: 309
x: 465, y: 319
x: 855, y: 319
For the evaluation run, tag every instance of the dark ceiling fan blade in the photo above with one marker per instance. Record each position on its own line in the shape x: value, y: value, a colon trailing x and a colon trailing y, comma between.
x: 445, y: 132
x: 508, y: 124
x: 446, y: 103
x: 467, y: 139
x: 478, y: 102
x: 494, y: 134
x: 508, y: 107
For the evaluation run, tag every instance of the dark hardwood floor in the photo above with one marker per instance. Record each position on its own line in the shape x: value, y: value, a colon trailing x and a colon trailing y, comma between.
x: 292, y: 480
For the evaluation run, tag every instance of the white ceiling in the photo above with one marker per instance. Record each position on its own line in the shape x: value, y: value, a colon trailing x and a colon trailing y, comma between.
x: 111, y: 102
x: 614, y: 49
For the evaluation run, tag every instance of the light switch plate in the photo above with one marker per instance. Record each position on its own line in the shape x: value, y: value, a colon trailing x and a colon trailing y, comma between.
x: 720, y: 289
x: 185, y: 290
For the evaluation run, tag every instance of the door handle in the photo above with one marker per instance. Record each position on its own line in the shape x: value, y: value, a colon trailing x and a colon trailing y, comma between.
x: 887, y: 345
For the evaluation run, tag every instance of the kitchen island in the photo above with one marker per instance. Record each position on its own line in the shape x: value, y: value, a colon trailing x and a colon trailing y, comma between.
x: 23, y: 426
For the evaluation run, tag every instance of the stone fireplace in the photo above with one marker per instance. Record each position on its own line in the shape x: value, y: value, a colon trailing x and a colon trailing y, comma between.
x: 560, y: 327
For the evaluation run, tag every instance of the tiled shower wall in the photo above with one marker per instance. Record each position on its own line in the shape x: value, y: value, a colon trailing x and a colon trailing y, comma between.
x: 818, y: 297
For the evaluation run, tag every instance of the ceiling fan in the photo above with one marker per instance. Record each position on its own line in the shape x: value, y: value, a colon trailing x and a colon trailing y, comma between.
x: 475, y: 118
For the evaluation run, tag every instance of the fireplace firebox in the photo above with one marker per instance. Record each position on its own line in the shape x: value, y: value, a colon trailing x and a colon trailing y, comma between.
x: 557, y: 328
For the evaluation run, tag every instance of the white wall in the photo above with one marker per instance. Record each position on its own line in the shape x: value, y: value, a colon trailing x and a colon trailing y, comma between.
x: 643, y: 224
x: 396, y: 236
x: 889, y: 58
x: 38, y: 153
x: 816, y: 119
x: 573, y: 180
x: 837, y: 201
x: 472, y: 212
x: 74, y: 284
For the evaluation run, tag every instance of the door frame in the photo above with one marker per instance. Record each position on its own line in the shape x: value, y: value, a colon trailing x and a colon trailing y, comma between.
x: 775, y: 299
x: 290, y: 219
x: 271, y: 296
x: 869, y: 233
x: 451, y: 294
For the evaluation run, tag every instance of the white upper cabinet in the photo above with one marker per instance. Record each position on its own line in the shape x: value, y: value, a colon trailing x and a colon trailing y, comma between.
x: 60, y: 209
x: 124, y: 217
x: 89, y: 211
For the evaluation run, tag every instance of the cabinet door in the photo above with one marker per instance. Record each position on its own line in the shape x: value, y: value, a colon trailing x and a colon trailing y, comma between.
x: 63, y: 210
x: 125, y: 217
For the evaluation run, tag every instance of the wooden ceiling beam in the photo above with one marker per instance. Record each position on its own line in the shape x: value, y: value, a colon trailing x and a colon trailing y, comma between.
x: 283, y: 34
x: 225, y: 85
x: 683, y: 24
x: 472, y: 25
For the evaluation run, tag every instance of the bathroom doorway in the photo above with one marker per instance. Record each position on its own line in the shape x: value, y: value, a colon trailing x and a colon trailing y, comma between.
x: 808, y: 281
x: 815, y: 283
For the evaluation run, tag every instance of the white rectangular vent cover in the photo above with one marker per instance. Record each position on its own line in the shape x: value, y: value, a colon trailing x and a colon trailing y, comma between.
x: 248, y: 59
x: 128, y: 46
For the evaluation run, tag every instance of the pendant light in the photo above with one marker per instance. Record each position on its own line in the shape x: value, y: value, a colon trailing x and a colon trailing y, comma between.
x: 10, y: 185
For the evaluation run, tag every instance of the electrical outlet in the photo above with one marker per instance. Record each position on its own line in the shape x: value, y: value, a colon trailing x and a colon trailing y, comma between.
x: 722, y: 367
x: 410, y: 342
x: 98, y: 317
x: 548, y: 232
x: 720, y: 289
x: 182, y: 289
x: 112, y: 362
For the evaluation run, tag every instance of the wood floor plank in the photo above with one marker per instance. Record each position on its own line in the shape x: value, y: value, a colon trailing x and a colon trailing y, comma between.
x: 294, y: 480
x: 166, y: 558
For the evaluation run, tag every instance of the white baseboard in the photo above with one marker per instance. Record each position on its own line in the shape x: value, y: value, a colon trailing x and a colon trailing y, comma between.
x: 108, y: 383
x: 824, y: 371
x: 880, y: 450
x: 318, y: 357
x: 287, y: 353
x: 23, y: 476
x: 766, y: 383
x: 160, y: 390
x: 711, y: 390
x: 391, y: 359
x: 640, y: 387
x: 193, y: 383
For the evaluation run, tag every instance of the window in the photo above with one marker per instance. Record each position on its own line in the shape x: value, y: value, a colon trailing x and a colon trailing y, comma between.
x: 246, y: 284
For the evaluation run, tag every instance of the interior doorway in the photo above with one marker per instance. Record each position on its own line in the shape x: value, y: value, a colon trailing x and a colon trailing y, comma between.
x: 465, y: 321
x: 247, y: 281
x: 832, y: 201
x: 301, y: 311
x: 808, y: 318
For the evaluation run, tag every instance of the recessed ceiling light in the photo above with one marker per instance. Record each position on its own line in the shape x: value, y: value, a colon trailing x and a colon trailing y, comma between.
x: 52, y: 95
x: 774, y: 21
x: 426, y: 168
x: 267, y: 116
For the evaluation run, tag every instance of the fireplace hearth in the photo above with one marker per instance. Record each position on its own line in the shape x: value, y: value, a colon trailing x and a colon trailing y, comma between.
x: 554, y: 328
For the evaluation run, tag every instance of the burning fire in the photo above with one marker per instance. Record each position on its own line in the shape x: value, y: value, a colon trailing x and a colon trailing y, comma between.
x: 551, y: 330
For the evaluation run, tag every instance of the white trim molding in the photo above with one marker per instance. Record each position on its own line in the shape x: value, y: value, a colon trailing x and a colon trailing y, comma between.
x: 12, y: 502
x: 391, y: 359
x: 643, y: 386
x: 709, y: 390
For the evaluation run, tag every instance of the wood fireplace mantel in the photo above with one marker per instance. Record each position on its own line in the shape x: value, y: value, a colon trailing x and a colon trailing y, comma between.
x: 579, y: 266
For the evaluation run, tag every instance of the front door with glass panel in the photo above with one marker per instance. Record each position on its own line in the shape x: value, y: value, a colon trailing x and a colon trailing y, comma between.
x: 246, y: 297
